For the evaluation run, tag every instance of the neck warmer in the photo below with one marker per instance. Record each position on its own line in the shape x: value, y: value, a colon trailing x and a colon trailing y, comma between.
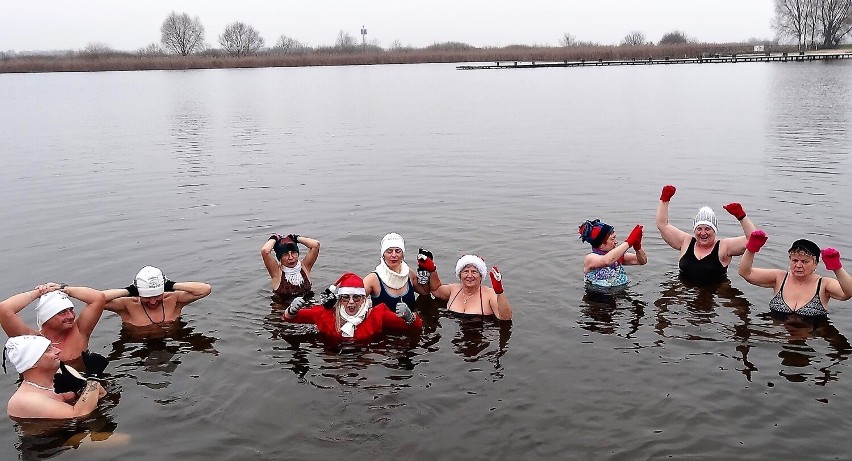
x: 395, y: 280
x: 352, y: 321
x: 293, y: 274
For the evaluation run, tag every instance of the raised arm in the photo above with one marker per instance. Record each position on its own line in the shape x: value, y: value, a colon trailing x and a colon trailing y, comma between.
x: 91, y: 312
x: 501, y: 307
x: 594, y: 260
x: 190, y: 291
x: 766, y: 278
x: 735, y: 246
x: 12, y: 324
x: 313, y: 251
x: 670, y: 234
x: 268, y: 256
x: 842, y: 289
x: 438, y: 289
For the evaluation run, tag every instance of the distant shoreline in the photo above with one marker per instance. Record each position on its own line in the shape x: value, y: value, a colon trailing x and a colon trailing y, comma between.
x: 93, y: 62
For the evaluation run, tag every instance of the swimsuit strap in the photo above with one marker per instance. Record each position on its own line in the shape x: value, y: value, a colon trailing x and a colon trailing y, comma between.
x: 454, y: 297
x: 481, y: 309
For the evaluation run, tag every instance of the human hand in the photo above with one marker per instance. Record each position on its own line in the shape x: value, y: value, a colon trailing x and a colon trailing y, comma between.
x: 756, y: 240
x: 168, y: 285
x: 295, y: 306
x: 667, y: 193
x: 404, y: 312
x: 496, y: 280
x: 294, y: 238
x: 68, y: 380
x: 831, y: 258
x: 275, y: 237
x: 328, y: 298
x: 425, y: 266
x: 735, y: 209
x: 132, y: 290
x: 635, y: 238
x: 95, y: 364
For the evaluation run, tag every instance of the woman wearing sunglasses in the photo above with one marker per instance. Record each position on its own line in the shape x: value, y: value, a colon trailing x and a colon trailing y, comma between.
x: 348, y: 314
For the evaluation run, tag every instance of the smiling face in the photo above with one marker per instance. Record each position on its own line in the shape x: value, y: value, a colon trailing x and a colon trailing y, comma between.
x: 50, y: 359
x: 470, y: 276
x: 63, y: 320
x: 153, y: 302
x: 802, y: 264
x: 393, y: 257
x: 705, y: 235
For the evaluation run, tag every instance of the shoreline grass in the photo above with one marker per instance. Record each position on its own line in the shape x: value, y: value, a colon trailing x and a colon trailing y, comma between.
x: 447, y: 53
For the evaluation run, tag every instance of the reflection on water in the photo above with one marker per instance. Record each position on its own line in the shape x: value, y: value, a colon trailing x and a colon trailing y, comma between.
x: 610, y: 313
x: 685, y: 311
x: 150, y: 354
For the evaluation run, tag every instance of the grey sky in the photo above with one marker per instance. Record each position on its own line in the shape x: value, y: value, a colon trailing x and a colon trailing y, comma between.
x: 130, y: 25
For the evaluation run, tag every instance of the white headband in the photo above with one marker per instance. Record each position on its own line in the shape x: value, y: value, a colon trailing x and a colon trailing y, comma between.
x: 467, y: 260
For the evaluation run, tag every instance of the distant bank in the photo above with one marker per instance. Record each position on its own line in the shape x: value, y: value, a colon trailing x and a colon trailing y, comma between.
x: 82, y: 62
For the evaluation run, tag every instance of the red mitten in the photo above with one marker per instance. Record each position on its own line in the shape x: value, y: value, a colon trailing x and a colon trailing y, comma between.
x: 756, y: 240
x: 831, y: 258
x: 735, y: 209
x: 635, y: 238
x: 496, y: 280
x: 424, y: 261
x: 668, y: 192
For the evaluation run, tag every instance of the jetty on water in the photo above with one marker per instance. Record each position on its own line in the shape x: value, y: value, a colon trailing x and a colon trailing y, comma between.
x: 798, y: 56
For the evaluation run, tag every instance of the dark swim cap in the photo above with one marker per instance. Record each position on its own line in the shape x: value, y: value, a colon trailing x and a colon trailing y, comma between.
x: 807, y: 246
x: 595, y: 232
x: 285, y: 245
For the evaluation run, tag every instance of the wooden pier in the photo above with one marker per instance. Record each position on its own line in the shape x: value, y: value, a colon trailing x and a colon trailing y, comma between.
x: 798, y: 56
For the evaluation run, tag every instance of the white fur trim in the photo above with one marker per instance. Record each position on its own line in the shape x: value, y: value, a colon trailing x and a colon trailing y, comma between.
x: 471, y: 259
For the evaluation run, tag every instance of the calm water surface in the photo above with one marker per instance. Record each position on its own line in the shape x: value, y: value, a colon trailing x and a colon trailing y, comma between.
x: 104, y: 173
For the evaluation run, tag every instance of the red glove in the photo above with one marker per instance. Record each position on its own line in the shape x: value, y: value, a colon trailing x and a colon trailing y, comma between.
x: 424, y: 261
x: 831, y: 258
x: 756, y: 240
x: 635, y: 238
x: 496, y: 280
x: 668, y: 192
x: 735, y: 209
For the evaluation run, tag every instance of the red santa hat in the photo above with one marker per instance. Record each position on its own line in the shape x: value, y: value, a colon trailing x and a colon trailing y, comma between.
x: 350, y: 284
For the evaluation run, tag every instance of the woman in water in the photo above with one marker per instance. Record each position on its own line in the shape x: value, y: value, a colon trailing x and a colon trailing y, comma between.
x: 704, y: 259
x: 469, y: 298
x: 290, y: 277
x: 604, y: 266
x: 349, y: 314
x: 393, y: 281
x: 799, y: 290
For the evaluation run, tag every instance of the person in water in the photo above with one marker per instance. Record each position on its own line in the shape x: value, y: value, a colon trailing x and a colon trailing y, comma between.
x: 347, y: 313
x: 55, y: 316
x: 798, y: 290
x: 393, y: 281
x: 38, y: 360
x: 469, y: 298
x: 152, y: 299
x: 604, y: 266
x: 290, y: 276
x: 704, y: 258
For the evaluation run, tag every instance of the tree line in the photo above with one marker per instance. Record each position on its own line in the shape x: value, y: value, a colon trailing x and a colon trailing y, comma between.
x: 813, y: 23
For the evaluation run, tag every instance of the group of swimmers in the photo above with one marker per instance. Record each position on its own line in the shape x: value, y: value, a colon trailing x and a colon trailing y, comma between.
x: 356, y: 308
x: 704, y: 260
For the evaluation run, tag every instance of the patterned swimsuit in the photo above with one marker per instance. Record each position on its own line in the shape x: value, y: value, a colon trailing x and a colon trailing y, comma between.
x: 612, y: 276
x: 813, y: 308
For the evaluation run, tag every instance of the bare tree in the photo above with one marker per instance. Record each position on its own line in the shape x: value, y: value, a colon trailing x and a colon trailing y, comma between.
x: 567, y: 40
x: 796, y: 19
x: 634, y: 38
x: 345, y: 41
x: 289, y: 45
x: 181, y: 34
x: 674, y: 37
x: 240, y: 39
x: 152, y: 49
x: 835, y: 21
x: 97, y: 49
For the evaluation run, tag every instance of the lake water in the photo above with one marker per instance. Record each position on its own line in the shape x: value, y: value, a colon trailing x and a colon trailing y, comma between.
x: 103, y: 173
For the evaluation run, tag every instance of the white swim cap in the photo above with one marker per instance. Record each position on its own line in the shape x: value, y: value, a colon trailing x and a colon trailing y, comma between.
x: 393, y: 240
x: 50, y: 304
x: 24, y: 351
x: 705, y: 216
x: 150, y: 282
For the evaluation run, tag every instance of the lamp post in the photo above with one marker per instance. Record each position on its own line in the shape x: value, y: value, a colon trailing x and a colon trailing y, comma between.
x: 363, y: 36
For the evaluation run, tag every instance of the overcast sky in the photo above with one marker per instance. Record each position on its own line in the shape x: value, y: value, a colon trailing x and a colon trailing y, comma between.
x: 130, y: 25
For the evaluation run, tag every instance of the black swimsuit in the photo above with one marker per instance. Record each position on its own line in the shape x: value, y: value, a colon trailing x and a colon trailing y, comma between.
x: 706, y: 270
x: 466, y: 315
